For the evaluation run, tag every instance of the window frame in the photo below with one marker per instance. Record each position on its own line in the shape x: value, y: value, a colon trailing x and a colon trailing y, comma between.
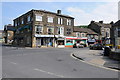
x: 50, y: 19
x: 38, y: 17
x: 52, y: 32
x: 39, y: 31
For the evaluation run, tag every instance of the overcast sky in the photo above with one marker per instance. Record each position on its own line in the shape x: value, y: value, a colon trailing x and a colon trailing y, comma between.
x: 83, y: 12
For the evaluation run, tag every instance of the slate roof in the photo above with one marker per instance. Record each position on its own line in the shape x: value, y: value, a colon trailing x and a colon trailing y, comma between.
x: 9, y: 27
x: 86, y: 30
x: 103, y: 25
x: 117, y: 24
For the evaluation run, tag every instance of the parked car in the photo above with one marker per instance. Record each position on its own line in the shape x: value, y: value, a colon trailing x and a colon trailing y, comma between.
x: 78, y: 45
x: 97, y: 46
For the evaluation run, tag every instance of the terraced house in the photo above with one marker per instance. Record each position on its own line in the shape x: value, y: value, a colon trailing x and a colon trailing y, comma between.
x: 40, y: 28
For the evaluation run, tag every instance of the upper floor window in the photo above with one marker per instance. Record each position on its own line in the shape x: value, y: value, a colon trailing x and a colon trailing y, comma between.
x: 118, y: 32
x: 18, y: 23
x: 15, y: 22
x: 38, y: 29
x: 60, y: 21
x: 83, y: 35
x: 28, y: 18
x: 68, y: 22
x: 38, y: 17
x: 68, y: 31
x: 77, y: 34
x: 50, y: 30
x: 50, y: 19
x: 22, y: 21
x: 60, y: 30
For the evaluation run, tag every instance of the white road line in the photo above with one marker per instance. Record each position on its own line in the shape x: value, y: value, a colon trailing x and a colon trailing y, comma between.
x: 13, y: 62
x: 36, y: 69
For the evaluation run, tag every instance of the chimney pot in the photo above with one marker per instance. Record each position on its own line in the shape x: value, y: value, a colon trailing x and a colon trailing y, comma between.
x: 58, y: 11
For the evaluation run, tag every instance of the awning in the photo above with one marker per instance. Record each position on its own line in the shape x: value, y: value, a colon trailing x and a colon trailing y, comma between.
x: 25, y: 27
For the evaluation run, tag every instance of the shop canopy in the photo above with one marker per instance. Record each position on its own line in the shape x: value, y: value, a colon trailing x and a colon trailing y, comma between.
x: 76, y: 38
x: 24, y: 27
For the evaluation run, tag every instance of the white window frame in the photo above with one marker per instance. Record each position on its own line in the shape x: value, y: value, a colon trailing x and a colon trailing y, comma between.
x: 28, y: 18
x: 15, y: 23
x: 68, y: 30
x: 61, y: 29
x: 52, y: 33
x: 38, y: 17
x: 68, y: 22
x: 39, y: 31
x: 60, y: 20
x: 82, y: 34
x: 50, y: 19
x: 77, y: 34
x: 22, y: 21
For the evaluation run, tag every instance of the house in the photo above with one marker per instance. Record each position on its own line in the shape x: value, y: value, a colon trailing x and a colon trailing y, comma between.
x: 41, y: 28
x: 8, y: 33
x: 102, y: 29
x: 116, y: 33
x: 85, y: 35
x: 1, y: 36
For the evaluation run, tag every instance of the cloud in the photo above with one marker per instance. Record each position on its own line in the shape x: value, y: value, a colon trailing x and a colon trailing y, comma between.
x: 107, y: 12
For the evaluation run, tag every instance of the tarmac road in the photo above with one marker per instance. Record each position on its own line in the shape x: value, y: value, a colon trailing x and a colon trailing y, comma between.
x: 48, y: 63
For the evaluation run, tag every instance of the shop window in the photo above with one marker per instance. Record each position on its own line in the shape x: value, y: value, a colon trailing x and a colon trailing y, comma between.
x: 38, y: 17
x: 50, y: 31
x: 60, y: 21
x: 50, y: 19
x: 61, y: 42
x: 38, y: 29
x: 28, y: 40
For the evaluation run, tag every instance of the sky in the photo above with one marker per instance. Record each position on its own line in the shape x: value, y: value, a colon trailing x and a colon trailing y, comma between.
x: 83, y: 12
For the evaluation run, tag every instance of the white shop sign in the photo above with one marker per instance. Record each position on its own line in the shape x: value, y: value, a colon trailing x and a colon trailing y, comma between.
x: 36, y: 35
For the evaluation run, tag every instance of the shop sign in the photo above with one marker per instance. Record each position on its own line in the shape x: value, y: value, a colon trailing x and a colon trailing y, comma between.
x: 36, y: 35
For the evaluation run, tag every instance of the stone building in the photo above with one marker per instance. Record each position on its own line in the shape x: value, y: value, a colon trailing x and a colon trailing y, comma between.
x: 116, y: 35
x: 40, y: 28
x: 1, y: 36
x: 85, y: 35
x: 102, y: 29
x: 8, y: 33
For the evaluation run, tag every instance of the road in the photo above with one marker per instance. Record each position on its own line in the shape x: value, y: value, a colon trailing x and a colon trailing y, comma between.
x: 48, y: 63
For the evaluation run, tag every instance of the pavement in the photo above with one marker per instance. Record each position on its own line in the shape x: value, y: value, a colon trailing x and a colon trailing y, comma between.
x: 96, y: 57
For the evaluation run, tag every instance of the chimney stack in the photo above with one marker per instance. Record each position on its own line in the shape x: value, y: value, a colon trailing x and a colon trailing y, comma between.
x: 101, y: 22
x: 58, y: 11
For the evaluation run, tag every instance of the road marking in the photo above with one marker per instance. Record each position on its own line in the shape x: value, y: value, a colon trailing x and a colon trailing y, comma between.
x: 93, y: 64
x: 13, y: 62
x: 36, y: 69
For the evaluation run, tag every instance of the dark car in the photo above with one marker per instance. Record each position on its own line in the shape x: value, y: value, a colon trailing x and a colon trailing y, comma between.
x: 96, y: 47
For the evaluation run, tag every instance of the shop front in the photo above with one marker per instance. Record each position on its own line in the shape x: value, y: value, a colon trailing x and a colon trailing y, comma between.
x: 45, y: 40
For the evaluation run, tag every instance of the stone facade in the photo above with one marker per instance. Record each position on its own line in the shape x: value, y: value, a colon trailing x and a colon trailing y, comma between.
x: 38, y: 28
x: 116, y: 34
x: 8, y: 33
x: 102, y: 29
